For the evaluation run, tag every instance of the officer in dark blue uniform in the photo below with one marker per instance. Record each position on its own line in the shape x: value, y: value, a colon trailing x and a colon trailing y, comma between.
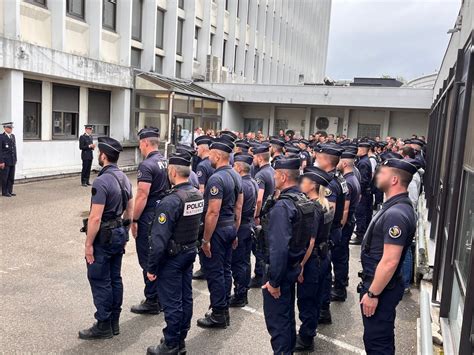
x: 328, y: 156
x: 152, y: 183
x: 204, y: 170
x: 173, y: 248
x: 186, y: 149
x: 222, y: 210
x: 241, y: 267
x: 231, y: 137
x: 242, y: 146
x: 340, y: 253
x: 286, y: 232
x: 363, y: 214
x: 315, y: 263
x: 107, y: 234
x: 305, y: 156
x: 266, y: 187
x: 418, y: 145
x: 276, y: 150
x: 383, y: 250
x: 8, y: 159
x: 87, y: 146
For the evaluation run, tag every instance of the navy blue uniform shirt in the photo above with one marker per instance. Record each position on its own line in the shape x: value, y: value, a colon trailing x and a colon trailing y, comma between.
x: 193, y: 179
x: 365, y: 169
x: 250, y: 190
x: 265, y: 178
x: 333, y: 194
x: 7, y: 149
x: 153, y: 170
x: 204, y: 171
x: 354, y: 192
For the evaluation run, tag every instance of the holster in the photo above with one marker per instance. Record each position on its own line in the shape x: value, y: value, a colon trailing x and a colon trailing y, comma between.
x: 174, y: 248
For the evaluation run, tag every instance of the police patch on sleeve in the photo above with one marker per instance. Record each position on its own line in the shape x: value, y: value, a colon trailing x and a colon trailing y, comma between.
x: 162, y: 218
x: 139, y: 174
x: 214, y: 191
x: 199, y: 173
x: 327, y: 192
x: 395, y: 232
x: 259, y: 181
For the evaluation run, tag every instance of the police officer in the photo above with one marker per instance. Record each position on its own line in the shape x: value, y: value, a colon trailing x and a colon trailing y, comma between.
x: 363, y: 214
x: 383, y: 250
x: 314, y: 266
x: 305, y: 156
x: 241, y: 267
x: 266, y: 186
x: 186, y: 149
x: 286, y: 231
x: 222, y: 210
x: 328, y: 156
x: 152, y: 183
x: 87, y: 146
x: 173, y: 248
x: 276, y: 150
x: 107, y: 234
x: 204, y: 170
x: 8, y: 159
x: 340, y: 253
x: 418, y: 145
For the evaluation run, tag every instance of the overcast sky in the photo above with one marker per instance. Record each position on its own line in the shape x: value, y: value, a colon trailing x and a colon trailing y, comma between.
x: 393, y: 37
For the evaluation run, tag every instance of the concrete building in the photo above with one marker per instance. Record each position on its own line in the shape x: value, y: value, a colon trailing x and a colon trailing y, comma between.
x: 109, y: 62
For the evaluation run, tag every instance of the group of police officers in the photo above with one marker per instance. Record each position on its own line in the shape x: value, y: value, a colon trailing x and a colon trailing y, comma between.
x: 294, y: 204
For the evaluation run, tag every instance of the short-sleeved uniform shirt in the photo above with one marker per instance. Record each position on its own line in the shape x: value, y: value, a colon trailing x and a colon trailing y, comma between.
x: 396, y: 225
x: 250, y: 191
x: 204, y: 171
x: 354, y: 192
x: 193, y: 179
x: 106, y: 191
x: 224, y: 184
x: 335, y: 194
x: 265, y: 179
x: 153, y: 170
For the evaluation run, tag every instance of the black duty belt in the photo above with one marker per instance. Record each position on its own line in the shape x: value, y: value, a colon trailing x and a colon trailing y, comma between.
x: 226, y: 223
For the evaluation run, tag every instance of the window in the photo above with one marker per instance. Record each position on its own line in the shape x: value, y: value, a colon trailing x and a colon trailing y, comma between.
x: 196, y: 42
x: 177, y: 74
x: 37, y: 2
x: 223, y: 52
x: 160, y: 25
x: 99, y: 111
x: 255, y: 67
x: 253, y: 125
x: 236, y: 48
x: 181, y: 4
x: 75, y: 8
x: 179, y: 37
x: 158, y: 64
x: 109, y: 13
x: 65, y: 112
x: 135, y: 57
x: 32, y: 109
x: 238, y: 8
x: 211, y: 42
x: 227, y: 5
x: 137, y: 6
x: 280, y: 125
x: 368, y: 130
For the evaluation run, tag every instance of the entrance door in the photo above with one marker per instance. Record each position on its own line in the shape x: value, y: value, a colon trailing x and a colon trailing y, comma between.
x: 183, y: 130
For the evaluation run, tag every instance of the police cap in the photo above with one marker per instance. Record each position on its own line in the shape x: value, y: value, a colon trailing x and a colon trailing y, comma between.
x: 276, y: 141
x: 242, y: 144
x: 88, y: 126
x: 330, y: 149
x: 229, y: 135
x: 7, y: 124
x: 109, y: 146
x: 182, y: 159
x: 181, y: 148
x: 318, y: 175
x: 203, y: 140
x: 350, y: 152
x: 292, y: 149
x: 287, y: 164
x: 262, y: 148
x: 409, y: 165
x: 242, y: 157
x: 149, y: 133
x: 222, y: 144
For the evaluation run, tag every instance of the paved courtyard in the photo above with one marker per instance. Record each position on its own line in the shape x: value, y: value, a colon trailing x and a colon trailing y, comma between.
x: 45, y: 296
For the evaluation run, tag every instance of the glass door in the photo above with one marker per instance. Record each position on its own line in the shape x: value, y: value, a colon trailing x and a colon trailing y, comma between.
x: 183, y: 130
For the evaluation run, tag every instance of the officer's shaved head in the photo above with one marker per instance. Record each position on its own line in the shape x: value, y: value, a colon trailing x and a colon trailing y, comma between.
x: 153, y: 141
x: 243, y: 166
x: 182, y: 171
x: 265, y: 157
x: 293, y: 175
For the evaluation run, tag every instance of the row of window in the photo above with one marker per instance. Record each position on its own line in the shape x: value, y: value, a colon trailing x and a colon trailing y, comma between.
x: 65, y: 111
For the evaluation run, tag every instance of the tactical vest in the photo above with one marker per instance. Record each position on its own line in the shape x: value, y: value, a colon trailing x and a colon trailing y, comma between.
x: 187, y: 226
x: 340, y: 199
x: 324, y: 230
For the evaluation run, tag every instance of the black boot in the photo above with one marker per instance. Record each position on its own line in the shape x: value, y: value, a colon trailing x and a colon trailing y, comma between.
x: 162, y: 349
x: 216, y: 319
x: 338, y: 294
x: 255, y: 282
x: 304, y: 345
x: 199, y: 275
x: 115, y: 326
x: 181, y: 347
x: 238, y: 301
x: 325, y: 316
x: 100, y: 330
x: 146, y: 307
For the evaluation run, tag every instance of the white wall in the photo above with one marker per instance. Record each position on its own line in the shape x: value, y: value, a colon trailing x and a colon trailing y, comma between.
x: 404, y: 124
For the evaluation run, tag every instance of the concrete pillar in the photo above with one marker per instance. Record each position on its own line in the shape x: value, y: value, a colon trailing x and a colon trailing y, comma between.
x: 345, y: 123
x: 120, y: 114
x: 218, y: 43
x: 94, y: 19
x: 249, y: 64
x: 276, y: 43
x: 169, y: 40
x: 307, y: 122
x: 271, y: 125
x: 188, y: 40
x: 386, y: 124
x: 46, y: 111
x: 148, y: 35
x: 83, y: 107
x: 268, y: 42
x: 11, y: 19
x: 204, y: 37
x: 124, y: 29
x: 58, y: 23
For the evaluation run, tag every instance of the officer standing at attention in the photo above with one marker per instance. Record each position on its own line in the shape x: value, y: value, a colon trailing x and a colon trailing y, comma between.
x: 287, y: 224
x: 107, y: 235
x: 276, y: 150
x: 152, y: 183
x: 222, y: 210
x: 7, y: 159
x: 173, y: 248
x: 314, y: 266
x: 87, y: 146
x: 340, y: 253
x: 241, y: 267
x: 266, y: 187
x: 383, y: 250
x: 186, y: 149
x: 363, y: 214
x: 204, y: 170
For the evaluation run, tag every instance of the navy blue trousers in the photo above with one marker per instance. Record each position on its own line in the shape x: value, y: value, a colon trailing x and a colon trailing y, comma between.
x: 258, y: 269
x: 241, y: 268
x: 309, y: 296
x: 105, y: 277
x: 143, y: 248
x: 218, y: 267
x: 280, y: 314
x: 363, y: 214
x: 335, y: 236
x: 340, y: 257
x: 379, y: 330
x: 174, y: 286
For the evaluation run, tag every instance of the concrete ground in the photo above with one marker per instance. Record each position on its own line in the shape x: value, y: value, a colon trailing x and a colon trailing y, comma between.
x: 45, y: 296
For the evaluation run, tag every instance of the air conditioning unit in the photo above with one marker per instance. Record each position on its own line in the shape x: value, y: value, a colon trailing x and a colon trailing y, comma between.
x: 326, y: 124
